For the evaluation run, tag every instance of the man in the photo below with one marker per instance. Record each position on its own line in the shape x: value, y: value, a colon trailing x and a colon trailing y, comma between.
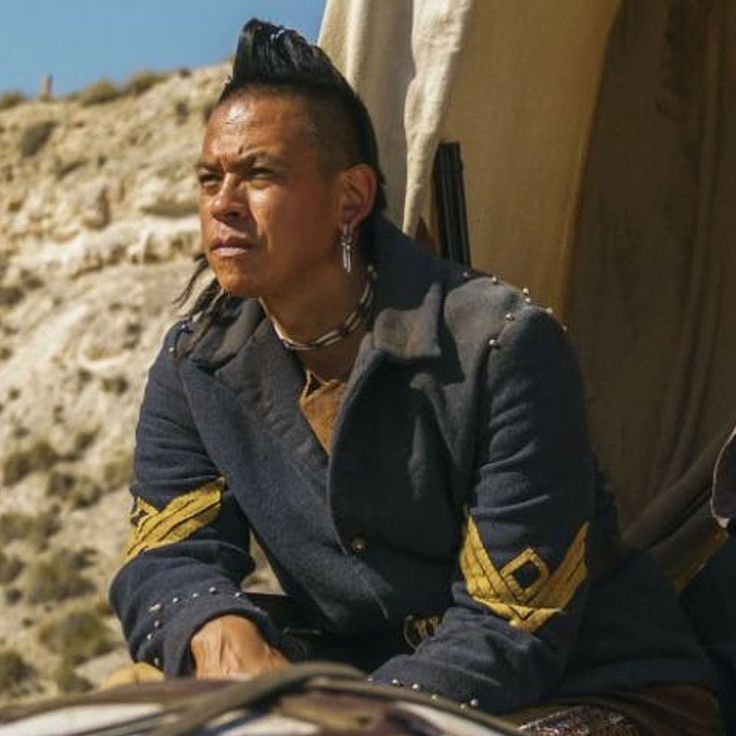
x: 406, y: 440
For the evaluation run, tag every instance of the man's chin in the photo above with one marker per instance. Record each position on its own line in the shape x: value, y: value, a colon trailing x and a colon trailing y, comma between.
x: 241, y: 292
x: 239, y: 287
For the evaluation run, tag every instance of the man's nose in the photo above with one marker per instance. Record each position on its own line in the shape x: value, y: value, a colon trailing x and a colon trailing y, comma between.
x: 231, y: 202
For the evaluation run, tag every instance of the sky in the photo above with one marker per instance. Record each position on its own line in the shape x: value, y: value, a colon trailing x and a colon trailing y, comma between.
x: 82, y: 41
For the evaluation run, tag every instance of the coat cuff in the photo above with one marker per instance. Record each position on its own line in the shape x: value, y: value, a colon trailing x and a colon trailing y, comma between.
x: 408, y: 671
x: 174, y: 622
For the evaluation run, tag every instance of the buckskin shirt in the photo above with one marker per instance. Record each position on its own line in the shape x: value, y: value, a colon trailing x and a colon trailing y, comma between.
x: 459, y: 484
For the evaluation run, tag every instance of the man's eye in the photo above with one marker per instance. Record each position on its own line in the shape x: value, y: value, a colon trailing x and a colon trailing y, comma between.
x: 207, y: 180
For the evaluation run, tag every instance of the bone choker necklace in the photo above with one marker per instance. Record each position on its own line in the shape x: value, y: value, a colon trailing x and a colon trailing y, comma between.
x: 351, y: 323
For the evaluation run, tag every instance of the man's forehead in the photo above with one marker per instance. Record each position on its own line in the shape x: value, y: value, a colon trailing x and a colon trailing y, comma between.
x: 257, y: 108
x: 254, y: 119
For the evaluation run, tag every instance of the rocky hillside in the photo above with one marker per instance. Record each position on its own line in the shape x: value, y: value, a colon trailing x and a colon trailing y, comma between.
x: 97, y: 232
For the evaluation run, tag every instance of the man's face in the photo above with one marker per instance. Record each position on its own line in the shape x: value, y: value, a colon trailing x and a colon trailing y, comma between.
x: 269, y: 214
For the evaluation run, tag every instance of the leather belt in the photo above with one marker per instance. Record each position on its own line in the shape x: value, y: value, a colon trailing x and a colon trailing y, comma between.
x: 367, y: 651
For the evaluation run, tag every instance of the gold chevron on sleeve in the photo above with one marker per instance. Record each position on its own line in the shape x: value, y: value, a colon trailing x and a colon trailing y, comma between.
x: 179, y: 519
x: 525, y: 608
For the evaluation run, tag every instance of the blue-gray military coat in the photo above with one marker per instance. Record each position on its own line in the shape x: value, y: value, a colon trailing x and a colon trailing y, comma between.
x: 460, y: 481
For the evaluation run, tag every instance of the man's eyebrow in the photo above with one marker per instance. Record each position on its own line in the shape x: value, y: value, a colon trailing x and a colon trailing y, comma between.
x: 256, y: 158
x: 201, y: 164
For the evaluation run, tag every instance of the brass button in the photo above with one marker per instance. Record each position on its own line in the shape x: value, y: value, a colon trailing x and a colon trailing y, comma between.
x: 358, y: 545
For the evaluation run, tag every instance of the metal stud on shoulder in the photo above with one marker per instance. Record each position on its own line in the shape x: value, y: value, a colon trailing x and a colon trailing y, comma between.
x: 493, y: 343
x: 509, y: 317
x: 473, y: 703
x: 416, y: 687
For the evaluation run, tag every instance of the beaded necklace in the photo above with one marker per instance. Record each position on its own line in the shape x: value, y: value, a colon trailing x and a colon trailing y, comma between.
x: 351, y: 323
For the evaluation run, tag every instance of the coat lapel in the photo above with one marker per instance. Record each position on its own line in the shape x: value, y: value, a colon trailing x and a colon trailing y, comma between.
x: 267, y: 380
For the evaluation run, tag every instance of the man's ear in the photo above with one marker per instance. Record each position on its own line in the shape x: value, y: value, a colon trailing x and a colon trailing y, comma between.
x: 358, y: 185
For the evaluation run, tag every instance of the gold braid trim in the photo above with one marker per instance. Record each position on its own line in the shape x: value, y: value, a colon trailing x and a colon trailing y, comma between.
x: 179, y: 519
x: 524, y: 608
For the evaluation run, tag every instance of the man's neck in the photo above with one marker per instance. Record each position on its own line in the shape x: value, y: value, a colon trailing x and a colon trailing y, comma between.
x: 322, y: 303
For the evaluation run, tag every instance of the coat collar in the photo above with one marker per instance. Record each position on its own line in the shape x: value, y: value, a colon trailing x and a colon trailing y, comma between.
x: 407, y: 307
x: 408, y: 297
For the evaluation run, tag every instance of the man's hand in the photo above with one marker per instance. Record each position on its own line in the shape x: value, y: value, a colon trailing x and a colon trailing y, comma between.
x: 232, y: 646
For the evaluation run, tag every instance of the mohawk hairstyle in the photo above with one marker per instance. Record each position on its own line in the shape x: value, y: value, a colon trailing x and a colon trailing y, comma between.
x: 275, y: 59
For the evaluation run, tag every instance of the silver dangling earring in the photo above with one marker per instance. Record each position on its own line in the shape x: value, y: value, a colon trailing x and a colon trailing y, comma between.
x: 346, y: 248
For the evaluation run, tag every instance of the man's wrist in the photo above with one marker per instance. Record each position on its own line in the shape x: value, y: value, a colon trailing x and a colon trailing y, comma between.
x: 223, y: 627
x: 232, y: 646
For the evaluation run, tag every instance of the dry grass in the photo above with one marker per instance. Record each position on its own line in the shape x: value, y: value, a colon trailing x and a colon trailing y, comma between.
x: 58, y: 577
x: 78, y: 636
x: 78, y: 491
x: 35, y: 529
x: 30, y: 280
x: 69, y: 682
x: 85, y: 493
x: 118, y: 471
x: 40, y: 456
x: 181, y: 111
x: 14, y: 671
x: 13, y: 595
x: 142, y: 81
x: 10, y: 568
x: 35, y: 136
x: 117, y: 385
x: 66, y: 168
x: 12, y: 98
x: 84, y: 439
x: 10, y: 295
x: 99, y: 93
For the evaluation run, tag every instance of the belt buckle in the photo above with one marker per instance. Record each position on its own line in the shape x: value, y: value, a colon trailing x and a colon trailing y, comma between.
x: 417, y: 628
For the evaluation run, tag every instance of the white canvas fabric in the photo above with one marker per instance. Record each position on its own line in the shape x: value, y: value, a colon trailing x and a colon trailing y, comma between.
x: 402, y: 57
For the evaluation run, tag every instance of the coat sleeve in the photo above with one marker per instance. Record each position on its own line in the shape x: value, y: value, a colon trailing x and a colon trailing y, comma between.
x: 188, y: 546
x: 520, y: 584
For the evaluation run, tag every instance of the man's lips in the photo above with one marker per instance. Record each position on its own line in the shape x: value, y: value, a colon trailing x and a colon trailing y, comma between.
x: 231, y: 246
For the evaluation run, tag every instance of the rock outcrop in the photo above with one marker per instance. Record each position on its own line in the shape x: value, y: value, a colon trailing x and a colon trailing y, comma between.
x: 98, y: 229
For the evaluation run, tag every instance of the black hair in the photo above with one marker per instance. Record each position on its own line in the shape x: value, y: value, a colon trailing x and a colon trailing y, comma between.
x: 275, y: 59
